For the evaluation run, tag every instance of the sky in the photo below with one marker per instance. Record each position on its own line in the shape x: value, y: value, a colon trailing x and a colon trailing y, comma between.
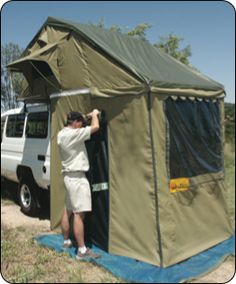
x: 207, y: 26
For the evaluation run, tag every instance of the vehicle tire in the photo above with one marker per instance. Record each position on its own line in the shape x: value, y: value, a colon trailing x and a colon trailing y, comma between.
x: 27, y: 198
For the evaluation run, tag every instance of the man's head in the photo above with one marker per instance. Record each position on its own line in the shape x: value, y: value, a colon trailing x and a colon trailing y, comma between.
x: 75, y: 119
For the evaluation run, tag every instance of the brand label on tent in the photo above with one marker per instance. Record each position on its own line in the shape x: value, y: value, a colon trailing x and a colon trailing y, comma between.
x: 179, y: 184
x: 100, y: 186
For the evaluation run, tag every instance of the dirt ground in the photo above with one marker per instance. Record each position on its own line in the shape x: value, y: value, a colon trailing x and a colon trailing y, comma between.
x: 12, y: 217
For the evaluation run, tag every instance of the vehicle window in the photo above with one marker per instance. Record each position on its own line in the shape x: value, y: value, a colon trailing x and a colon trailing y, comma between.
x: 37, y: 125
x: 15, y: 125
x: 3, y: 119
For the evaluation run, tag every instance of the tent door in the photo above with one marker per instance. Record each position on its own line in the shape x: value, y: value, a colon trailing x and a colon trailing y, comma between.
x: 97, y: 221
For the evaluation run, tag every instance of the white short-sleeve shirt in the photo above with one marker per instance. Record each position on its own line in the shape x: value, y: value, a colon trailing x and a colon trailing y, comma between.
x: 72, y: 149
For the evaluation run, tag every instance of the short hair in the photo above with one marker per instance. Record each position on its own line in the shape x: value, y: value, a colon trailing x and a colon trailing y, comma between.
x: 75, y: 115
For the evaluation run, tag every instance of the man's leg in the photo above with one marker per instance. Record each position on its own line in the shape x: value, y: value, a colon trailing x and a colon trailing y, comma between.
x: 83, y: 252
x: 79, y: 228
x: 65, y: 224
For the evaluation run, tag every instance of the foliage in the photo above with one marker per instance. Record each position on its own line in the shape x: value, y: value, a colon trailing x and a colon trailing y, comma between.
x: 139, y: 31
x: 11, y: 84
x: 171, y: 46
x: 229, y: 162
x: 230, y: 111
x: 230, y: 123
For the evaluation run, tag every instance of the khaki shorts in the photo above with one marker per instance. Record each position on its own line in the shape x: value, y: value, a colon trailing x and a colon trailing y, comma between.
x: 78, y: 194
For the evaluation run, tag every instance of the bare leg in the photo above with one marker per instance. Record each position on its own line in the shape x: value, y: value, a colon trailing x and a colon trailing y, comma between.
x: 79, y: 228
x: 65, y: 224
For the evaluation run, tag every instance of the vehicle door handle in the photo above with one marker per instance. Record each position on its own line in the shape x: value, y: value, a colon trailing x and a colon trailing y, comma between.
x: 41, y: 157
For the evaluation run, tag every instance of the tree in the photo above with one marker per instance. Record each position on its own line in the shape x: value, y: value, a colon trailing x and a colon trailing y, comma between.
x: 139, y: 31
x: 11, y: 84
x: 170, y: 45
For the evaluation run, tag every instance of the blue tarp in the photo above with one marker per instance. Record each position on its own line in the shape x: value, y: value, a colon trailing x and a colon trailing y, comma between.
x: 136, y: 271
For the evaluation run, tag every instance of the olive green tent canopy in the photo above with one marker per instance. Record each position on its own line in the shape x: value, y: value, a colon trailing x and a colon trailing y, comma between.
x: 157, y: 171
x: 142, y: 60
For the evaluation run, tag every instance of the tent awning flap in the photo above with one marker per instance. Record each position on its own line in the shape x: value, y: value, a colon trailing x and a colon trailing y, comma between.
x: 36, y: 55
x: 42, y: 62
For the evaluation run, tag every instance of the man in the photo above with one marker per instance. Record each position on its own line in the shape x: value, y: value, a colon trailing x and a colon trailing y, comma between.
x: 74, y: 160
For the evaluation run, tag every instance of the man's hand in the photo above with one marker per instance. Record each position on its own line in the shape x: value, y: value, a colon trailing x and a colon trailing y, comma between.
x: 95, y: 112
x: 95, y: 121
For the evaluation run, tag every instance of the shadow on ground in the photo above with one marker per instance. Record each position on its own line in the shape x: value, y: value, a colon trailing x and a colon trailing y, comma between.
x: 9, y: 192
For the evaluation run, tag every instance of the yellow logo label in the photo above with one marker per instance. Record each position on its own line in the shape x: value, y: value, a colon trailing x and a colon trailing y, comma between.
x: 179, y: 184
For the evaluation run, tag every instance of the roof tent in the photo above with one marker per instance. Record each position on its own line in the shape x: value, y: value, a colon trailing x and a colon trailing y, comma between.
x: 157, y: 169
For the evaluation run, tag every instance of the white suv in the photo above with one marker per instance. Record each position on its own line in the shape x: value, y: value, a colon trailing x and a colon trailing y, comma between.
x: 25, y: 153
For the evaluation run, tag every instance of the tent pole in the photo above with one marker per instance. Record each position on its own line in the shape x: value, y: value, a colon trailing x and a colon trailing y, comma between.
x: 155, y: 176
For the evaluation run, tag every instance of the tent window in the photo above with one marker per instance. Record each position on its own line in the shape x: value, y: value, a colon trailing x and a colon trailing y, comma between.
x: 41, y: 67
x: 195, y: 142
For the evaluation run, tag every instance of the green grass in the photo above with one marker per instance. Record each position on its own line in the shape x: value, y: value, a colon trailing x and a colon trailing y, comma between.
x: 230, y: 179
x: 24, y: 261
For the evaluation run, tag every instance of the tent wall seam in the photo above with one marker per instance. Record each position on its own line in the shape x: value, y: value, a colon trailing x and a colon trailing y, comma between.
x: 155, y: 177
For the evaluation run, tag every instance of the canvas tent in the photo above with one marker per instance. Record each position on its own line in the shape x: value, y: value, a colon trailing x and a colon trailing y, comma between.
x: 157, y: 169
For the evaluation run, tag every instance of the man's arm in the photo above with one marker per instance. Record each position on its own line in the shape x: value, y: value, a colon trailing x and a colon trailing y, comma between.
x: 95, y: 121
